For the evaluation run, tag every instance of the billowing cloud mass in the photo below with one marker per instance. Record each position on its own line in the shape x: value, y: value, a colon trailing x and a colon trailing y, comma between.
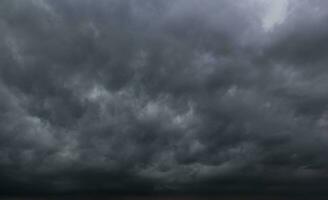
x: 163, y: 96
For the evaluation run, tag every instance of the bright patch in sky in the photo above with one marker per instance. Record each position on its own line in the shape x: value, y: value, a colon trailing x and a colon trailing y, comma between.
x: 275, y: 13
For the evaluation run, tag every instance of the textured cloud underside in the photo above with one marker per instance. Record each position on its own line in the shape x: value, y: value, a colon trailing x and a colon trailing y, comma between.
x: 183, y: 95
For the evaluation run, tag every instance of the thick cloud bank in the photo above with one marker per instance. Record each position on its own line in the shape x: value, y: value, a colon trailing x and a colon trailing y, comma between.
x: 163, y: 96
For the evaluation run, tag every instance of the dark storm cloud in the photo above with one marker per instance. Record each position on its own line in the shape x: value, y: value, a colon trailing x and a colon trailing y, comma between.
x: 130, y: 96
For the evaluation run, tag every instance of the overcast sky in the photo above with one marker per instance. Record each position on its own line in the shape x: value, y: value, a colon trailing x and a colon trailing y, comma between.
x: 129, y: 96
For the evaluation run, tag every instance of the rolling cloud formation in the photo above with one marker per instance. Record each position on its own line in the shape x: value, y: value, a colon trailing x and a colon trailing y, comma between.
x: 171, y: 95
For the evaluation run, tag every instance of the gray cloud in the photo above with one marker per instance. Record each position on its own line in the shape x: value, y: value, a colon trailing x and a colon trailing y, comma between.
x: 162, y: 96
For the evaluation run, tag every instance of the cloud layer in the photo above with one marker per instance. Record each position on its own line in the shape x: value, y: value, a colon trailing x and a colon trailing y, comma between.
x: 162, y: 96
